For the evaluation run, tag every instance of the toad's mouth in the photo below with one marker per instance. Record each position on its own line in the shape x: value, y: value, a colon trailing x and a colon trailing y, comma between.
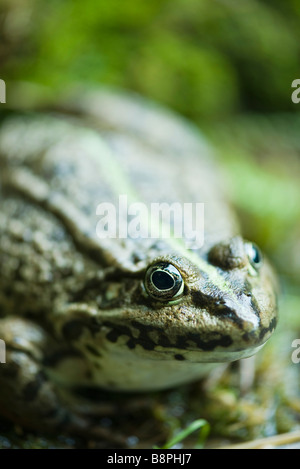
x: 216, y: 356
x: 215, y: 353
x: 197, y: 356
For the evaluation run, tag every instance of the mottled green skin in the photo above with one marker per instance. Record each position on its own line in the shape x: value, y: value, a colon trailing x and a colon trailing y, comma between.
x: 74, y: 311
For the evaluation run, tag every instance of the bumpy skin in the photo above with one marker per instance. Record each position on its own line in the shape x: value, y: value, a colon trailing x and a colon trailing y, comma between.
x: 74, y: 310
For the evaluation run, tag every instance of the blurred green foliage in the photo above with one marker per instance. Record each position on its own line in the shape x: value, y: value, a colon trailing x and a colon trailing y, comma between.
x: 205, y: 58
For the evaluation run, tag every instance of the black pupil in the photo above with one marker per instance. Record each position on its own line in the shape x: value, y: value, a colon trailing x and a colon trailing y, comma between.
x: 255, y: 255
x: 162, y: 280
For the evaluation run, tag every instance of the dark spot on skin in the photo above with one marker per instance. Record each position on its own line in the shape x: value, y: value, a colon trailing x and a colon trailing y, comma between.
x: 268, y: 329
x: 144, y: 338
x: 220, y: 340
x: 117, y: 331
x: 130, y: 344
x: 255, y: 308
x: 137, y: 257
x: 93, y: 350
x: 72, y: 330
x: 31, y: 390
x: 179, y: 357
x: 91, y: 393
x: 247, y: 288
x: 250, y: 336
x: 202, y: 301
x: 224, y: 311
x: 220, y: 309
x: 12, y: 350
x: 60, y: 355
x: 147, y: 343
x: 247, y: 291
x: 216, y: 308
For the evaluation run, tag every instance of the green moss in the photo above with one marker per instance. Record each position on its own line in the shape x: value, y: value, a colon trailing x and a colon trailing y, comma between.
x: 206, y: 59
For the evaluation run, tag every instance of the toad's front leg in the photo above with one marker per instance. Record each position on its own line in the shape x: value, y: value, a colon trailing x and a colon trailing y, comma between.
x: 28, y: 394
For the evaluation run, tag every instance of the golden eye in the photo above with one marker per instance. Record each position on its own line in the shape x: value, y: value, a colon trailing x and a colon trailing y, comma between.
x: 163, y: 282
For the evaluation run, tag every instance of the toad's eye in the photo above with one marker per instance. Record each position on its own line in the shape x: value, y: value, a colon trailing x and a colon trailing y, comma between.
x: 254, y: 255
x: 163, y: 282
